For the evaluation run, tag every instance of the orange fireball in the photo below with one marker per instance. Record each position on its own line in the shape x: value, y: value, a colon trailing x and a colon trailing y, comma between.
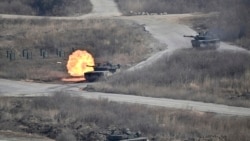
x: 80, y: 62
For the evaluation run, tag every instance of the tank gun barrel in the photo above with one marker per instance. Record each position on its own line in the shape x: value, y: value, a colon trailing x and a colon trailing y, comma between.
x: 190, y: 36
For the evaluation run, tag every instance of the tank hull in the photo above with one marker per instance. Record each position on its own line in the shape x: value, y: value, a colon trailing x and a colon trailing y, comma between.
x: 101, y: 71
x: 205, y: 40
x: 96, y: 75
x: 209, y: 44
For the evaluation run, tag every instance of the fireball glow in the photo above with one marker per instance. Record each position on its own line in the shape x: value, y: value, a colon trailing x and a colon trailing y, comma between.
x: 80, y: 62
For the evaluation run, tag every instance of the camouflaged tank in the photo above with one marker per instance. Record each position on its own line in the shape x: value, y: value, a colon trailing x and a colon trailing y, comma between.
x: 125, y: 135
x: 205, y: 40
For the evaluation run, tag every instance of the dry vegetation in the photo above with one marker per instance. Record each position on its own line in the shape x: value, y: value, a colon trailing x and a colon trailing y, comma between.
x: 231, y: 24
x: 45, y: 7
x: 208, y: 76
x: 106, y: 40
x: 169, y: 6
x: 64, y: 117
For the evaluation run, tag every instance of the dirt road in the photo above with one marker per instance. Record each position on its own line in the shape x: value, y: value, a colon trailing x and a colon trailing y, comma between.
x: 165, y: 28
x: 15, y: 136
x: 30, y: 89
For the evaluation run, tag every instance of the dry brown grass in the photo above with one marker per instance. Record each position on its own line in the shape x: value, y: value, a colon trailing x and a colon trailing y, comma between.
x: 169, y: 6
x: 206, y: 76
x: 107, y: 40
x: 76, y: 118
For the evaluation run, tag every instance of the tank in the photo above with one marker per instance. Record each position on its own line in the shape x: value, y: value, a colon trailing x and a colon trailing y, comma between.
x: 125, y: 135
x: 206, y: 40
x: 101, y: 71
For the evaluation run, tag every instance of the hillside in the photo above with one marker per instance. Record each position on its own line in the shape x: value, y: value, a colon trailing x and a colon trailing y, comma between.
x: 231, y: 24
x: 45, y: 8
x: 116, y: 39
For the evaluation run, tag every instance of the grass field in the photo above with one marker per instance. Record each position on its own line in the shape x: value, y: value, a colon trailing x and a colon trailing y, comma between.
x: 202, y: 75
x: 107, y: 40
x: 65, y: 117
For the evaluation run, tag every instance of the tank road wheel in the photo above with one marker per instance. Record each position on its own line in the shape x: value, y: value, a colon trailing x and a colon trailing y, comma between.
x: 195, y: 44
x: 203, y: 45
